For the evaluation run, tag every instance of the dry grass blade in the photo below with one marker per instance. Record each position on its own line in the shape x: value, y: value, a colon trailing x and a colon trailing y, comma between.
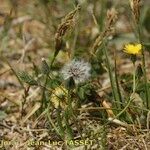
x: 31, y: 112
x: 118, y: 122
x: 108, y: 109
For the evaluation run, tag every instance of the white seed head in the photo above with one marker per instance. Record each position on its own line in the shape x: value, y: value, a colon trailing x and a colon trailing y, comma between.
x: 79, y: 70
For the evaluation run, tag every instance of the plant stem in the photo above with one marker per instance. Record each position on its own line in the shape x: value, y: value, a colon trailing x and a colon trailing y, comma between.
x: 112, y: 80
x: 143, y: 65
x: 134, y: 77
x: 43, y: 100
x: 102, y: 15
x: 117, y: 83
x: 145, y: 81
x: 122, y: 111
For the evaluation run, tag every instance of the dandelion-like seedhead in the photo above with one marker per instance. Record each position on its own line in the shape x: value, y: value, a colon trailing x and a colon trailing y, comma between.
x: 133, y: 49
x: 79, y: 70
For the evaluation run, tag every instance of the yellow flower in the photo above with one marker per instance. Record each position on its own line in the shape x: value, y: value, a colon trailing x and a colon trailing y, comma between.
x: 133, y: 49
x: 59, y: 97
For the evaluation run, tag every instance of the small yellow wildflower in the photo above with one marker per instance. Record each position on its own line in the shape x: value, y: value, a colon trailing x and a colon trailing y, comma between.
x: 59, y: 97
x: 133, y: 49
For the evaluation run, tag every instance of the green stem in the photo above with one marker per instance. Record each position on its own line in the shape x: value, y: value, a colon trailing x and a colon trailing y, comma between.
x: 145, y: 81
x: 143, y: 65
x: 70, y: 102
x: 134, y: 78
x: 122, y: 111
x: 43, y: 100
x: 117, y: 84
x: 113, y: 85
x: 102, y: 14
